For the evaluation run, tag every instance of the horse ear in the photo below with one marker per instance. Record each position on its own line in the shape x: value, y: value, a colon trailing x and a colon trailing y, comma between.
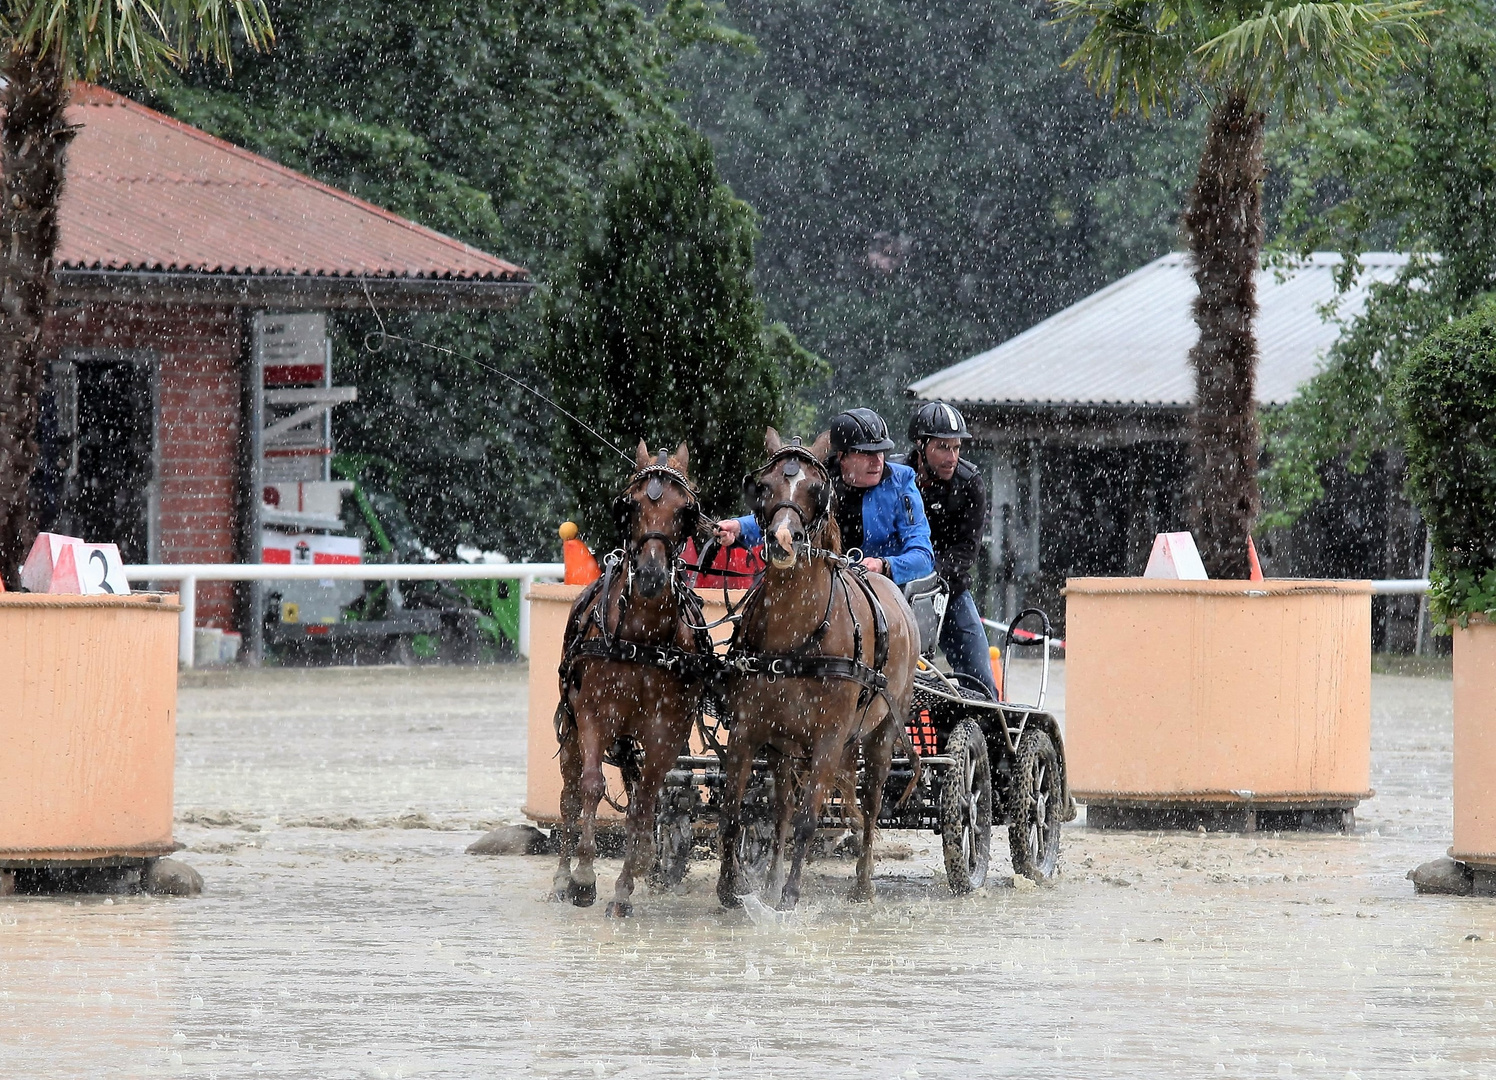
x: 772, y: 441
x: 641, y: 456
x: 821, y: 448
x: 681, y: 460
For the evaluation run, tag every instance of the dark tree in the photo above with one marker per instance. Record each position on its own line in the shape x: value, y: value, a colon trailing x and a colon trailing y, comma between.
x: 656, y: 332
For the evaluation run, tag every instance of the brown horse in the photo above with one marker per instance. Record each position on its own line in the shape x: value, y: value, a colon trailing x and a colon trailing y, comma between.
x: 632, y: 672
x: 805, y: 677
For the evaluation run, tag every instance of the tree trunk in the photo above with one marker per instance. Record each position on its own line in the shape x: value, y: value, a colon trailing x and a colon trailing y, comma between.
x: 1224, y: 227
x: 33, y: 155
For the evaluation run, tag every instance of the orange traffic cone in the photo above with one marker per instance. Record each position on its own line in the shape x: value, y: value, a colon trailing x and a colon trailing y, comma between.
x: 1255, y: 574
x: 581, y: 567
x: 995, y: 659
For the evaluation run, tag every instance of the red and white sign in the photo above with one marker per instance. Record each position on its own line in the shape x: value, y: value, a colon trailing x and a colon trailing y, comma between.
x: 65, y: 564
x: 310, y: 549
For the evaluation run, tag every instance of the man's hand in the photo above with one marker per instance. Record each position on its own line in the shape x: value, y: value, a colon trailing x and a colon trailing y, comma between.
x: 874, y: 566
x: 729, y: 530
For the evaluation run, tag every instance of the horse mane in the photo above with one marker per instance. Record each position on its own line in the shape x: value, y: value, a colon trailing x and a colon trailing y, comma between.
x: 833, y: 531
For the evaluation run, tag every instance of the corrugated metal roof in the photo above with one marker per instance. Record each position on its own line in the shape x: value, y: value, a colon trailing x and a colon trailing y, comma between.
x: 1129, y: 343
x: 146, y: 192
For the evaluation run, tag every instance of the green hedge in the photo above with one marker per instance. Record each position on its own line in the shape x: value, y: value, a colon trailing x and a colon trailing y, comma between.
x: 1445, y: 394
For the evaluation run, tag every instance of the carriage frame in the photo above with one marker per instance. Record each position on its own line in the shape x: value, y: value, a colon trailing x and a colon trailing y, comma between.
x: 983, y: 763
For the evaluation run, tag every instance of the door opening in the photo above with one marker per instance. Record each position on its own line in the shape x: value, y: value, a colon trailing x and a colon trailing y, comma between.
x: 97, y: 453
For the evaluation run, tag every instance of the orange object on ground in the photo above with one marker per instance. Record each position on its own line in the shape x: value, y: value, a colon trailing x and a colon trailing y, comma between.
x: 88, y: 731
x: 995, y: 660
x: 1256, y: 568
x: 581, y: 567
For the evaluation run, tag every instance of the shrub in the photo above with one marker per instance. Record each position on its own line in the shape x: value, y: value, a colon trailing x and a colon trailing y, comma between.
x: 1445, y: 395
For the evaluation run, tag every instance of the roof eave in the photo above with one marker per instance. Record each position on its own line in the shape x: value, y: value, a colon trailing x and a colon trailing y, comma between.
x: 288, y: 292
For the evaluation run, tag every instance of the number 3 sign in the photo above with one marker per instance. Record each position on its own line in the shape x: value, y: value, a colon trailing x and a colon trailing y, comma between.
x: 65, y: 564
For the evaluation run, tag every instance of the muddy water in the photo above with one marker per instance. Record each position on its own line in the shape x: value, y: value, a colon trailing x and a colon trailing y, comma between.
x: 344, y: 933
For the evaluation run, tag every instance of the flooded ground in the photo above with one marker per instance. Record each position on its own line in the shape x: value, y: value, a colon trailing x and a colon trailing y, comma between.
x: 344, y: 933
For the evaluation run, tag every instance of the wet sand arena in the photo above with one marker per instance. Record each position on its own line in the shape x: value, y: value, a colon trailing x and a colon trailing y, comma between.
x: 344, y: 933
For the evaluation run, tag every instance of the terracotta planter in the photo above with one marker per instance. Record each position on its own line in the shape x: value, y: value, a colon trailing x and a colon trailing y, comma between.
x: 1475, y: 743
x: 549, y: 607
x: 88, y: 728
x: 1227, y: 697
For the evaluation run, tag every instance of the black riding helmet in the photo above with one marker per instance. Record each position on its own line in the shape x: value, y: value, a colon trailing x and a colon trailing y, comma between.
x: 937, y: 420
x: 859, y: 429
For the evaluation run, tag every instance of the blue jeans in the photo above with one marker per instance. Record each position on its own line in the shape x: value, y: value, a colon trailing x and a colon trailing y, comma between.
x: 964, y: 641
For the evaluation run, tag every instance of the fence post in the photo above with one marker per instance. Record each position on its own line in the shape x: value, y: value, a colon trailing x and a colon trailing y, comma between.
x: 524, y: 614
x: 187, y: 624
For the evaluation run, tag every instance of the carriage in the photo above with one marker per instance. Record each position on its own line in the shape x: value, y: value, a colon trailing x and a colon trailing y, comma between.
x: 982, y: 763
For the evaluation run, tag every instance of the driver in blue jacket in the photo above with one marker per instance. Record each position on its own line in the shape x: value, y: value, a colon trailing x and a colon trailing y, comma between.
x: 878, y: 505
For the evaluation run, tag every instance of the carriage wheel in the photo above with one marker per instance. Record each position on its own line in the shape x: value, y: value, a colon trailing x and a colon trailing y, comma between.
x: 966, y: 809
x: 1034, y: 808
x: 674, y: 833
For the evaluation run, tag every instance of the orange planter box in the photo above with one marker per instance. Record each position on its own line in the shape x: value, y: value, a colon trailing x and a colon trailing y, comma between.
x: 1223, y: 692
x: 1475, y: 743
x: 87, y: 726
x: 549, y: 607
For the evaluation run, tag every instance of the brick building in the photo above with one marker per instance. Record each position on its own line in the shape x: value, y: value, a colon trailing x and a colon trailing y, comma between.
x: 172, y: 243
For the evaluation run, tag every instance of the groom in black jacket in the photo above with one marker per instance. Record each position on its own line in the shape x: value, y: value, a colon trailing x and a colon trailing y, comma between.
x: 956, y: 505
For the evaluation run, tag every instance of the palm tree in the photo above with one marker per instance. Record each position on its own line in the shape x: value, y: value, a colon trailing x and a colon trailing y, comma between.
x: 1241, y: 58
x: 47, y: 44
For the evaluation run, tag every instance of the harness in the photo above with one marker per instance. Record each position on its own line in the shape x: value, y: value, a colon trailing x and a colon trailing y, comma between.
x: 590, y: 612
x: 804, y: 662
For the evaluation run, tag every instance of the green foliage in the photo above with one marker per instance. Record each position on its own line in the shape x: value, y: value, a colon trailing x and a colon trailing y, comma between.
x: 656, y: 332
x: 1150, y: 54
x: 1445, y: 396
x: 142, y: 37
x: 929, y: 182
x: 494, y: 122
x: 1408, y: 168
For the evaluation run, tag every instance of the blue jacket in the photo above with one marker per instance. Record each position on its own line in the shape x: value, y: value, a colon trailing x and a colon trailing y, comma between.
x: 894, y: 527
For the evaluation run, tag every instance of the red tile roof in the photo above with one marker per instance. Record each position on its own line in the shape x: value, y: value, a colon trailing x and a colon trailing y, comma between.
x: 148, y: 193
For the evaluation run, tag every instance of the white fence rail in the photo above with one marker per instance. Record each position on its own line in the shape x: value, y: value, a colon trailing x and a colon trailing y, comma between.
x: 189, y: 574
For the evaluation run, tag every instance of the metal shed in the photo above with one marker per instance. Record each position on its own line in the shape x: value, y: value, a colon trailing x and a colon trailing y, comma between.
x: 1081, y: 421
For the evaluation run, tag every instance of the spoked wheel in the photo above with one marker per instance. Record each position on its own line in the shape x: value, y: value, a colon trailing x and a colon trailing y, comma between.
x: 966, y: 809
x: 1034, y: 808
x: 756, y: 837
x: 674, y: 833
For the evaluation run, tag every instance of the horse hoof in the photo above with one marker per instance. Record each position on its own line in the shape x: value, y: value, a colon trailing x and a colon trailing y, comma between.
x: 619, y: 909
x: 728, y: 898
x: 583, y: 895
x: 787, y: 903
x: 861, y: 896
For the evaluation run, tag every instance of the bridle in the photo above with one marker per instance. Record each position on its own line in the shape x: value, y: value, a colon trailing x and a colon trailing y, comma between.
x: 655, y: 475
x: 797, y: 456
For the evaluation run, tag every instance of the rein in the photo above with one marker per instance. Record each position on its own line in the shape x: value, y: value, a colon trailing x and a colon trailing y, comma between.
x: 800, y: 662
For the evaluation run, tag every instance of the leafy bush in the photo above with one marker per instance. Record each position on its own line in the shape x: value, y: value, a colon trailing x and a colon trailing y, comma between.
x: 1445, y: 395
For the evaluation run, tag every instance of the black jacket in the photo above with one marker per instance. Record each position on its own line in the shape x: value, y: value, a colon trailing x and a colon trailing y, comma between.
x: 958, y: 516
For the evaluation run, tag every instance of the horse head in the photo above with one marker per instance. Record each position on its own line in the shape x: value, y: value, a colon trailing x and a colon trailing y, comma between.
x: 656, y: 515
x: 791, y: 495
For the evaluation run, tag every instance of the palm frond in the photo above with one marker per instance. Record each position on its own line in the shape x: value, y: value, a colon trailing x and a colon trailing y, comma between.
x: 143, y: 37
x: 1306, y: 53
x: 1137, y: 53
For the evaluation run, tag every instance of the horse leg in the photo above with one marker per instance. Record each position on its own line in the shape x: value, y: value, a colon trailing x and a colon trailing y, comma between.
x: 639, y: 828
x: 593, y: 787
x: 738, y: 767
x: 571, y: 812
x: 877, y: 755
x: 784, y: 809
x: 823, y: 761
